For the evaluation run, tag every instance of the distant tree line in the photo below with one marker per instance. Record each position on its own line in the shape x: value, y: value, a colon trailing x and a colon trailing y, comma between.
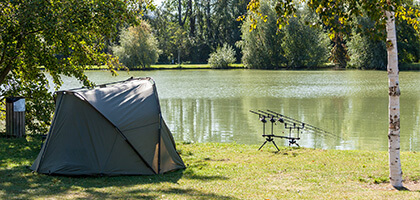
x: 192, y: 31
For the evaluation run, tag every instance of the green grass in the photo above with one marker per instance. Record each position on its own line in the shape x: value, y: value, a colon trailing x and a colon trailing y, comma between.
x: 190, y: 66
x: 220, y: 171
x: 172, y: 66
x: 182, y: 66
x: 328, y: 66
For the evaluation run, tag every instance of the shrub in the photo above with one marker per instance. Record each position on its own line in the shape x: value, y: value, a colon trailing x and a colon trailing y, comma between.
x: 223, y: 57
x: 138, y: 47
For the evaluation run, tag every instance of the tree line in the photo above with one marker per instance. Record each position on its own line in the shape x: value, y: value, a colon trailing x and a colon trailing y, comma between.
x: 189, y: 31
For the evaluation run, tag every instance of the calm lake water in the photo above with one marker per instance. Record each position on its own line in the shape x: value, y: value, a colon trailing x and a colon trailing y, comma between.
x: 213, y: 105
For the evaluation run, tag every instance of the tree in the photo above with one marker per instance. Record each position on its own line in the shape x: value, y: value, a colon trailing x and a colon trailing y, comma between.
x: 369, y: 52
x: 138, y: 47
x: 261, y: 48
x: 170, y: 36
x: 304, y: 47
x: 296, y: 46
x: 366, y: 51
x: 56, y: 37
x: 383, y: 13
x: 339, y: 52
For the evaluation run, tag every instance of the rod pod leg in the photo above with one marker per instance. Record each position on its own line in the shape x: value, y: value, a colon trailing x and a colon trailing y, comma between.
x: 262, y: 145
x: 276, y: 146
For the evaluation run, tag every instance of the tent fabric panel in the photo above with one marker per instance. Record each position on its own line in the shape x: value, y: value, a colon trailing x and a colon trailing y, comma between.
x: 67, y: 148
x: 145, y: 140
x: 80, y: 140
x: 124, y: 161
x: 35, y: 165
x: 127, y: 105
x: 169, y: 158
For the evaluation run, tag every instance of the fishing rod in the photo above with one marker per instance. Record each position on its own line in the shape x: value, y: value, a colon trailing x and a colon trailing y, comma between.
x: 307, y: 126
x: 261, y: 118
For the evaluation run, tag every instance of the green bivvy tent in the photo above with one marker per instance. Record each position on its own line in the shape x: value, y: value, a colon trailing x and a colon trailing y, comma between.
x: 114, y: 129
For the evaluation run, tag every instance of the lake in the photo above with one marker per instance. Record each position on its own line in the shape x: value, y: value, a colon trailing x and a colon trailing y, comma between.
x: 213, y: 105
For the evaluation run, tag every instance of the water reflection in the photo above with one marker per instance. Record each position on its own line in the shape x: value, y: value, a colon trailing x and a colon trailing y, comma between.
x: 213, y: 105
x: 229, y: 120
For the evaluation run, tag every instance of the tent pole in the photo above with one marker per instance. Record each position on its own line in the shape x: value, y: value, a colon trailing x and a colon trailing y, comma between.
x: 160, y: 122
x: 160, y: 139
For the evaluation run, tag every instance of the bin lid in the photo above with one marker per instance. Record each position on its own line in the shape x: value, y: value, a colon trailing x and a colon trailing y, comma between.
x: 13, y: 99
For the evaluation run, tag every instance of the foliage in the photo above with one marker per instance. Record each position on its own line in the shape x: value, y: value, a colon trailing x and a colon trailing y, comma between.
x: 138, y: 47
x: 304, y: 47
x: 170, y: 36
x: 408, y: 43
x: 261, y: 48
x: 338, y: 17
x: 296, y: 46
x: 191, y: 29
x: 39, y: 105
x: 223, y: 57
x: 59, y: 36
x: 339, y: 51
x: 365, y: 51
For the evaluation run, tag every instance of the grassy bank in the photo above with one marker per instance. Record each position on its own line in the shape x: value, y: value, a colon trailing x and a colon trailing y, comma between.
x: 220, y: 171
x: 192, y: 66
x: 173, y: 66
x: 402, y: 67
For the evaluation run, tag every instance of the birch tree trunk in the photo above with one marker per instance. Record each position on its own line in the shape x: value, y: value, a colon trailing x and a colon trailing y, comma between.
x: 394, y: 104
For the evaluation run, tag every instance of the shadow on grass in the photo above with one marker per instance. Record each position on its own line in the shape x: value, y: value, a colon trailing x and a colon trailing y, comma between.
x: 18, y: 182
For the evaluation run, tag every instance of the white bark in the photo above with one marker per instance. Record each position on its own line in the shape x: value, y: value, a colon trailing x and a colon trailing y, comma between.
x: 394, y: 103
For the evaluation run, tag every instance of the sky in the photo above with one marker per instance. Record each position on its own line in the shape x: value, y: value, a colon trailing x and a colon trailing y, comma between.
x: 157, y: 2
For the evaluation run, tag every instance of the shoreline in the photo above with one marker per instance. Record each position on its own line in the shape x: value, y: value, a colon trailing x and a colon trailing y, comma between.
x: 402, y: 67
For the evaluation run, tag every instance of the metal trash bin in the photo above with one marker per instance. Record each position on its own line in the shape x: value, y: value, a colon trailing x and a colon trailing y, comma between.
x: 15, y: 116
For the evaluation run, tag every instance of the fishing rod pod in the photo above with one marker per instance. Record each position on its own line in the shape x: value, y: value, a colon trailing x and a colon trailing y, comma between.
x: 293, y: 125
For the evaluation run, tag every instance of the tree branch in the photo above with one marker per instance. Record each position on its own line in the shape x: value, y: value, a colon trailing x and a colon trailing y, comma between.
x: 4, y: 72
x: 9, y: 65
x: 3, y: 55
